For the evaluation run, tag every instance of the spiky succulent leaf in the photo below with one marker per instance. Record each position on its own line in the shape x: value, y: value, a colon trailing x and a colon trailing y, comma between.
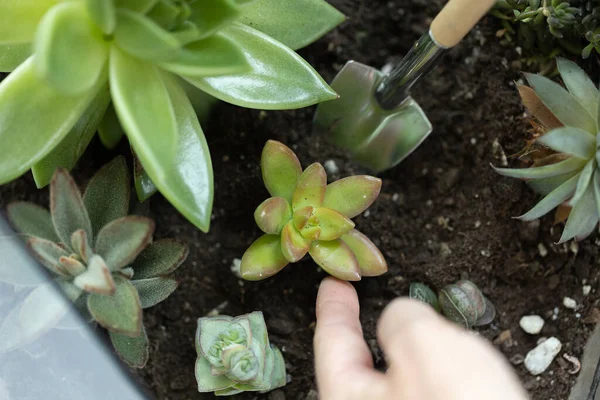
x: 555, y: 198
x: 579, y: 84
x: 583, y: 217
x: 97, y: 278
x: 103, y: 13
x: 263, y: 259
x: 272, y: 215
x: 571, y: 164
x: 333, y: 224
x: 48, y: 253
x: 353, y: 195
x: 310, y: 189
x: 336, y: 258
x: 120, y: 241
x: 423, y: 293
x: 280, y: 169
x: 370, y: 260
x: 154, y: 290
x: 160, y: 259
x: 570, y: 140
x: 293, y: 245
x: 132, y: 350
x: 121, y: 312
x: 32, y: 220
x: 585, y: 177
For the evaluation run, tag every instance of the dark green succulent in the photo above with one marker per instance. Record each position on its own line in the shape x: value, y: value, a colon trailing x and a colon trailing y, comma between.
x: 104, y: 260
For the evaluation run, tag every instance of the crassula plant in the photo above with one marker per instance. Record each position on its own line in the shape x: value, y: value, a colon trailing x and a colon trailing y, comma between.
x: 565, y: 170
x: 461, y: 302
x: 82, y: 66
x: 234, y: 355
x: 104, y: 260
x: 306, y: 215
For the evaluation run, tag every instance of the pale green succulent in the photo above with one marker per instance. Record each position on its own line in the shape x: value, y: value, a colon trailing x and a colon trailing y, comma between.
x: 104, y: 261
x: 234, y: 356
x: 570, y: 175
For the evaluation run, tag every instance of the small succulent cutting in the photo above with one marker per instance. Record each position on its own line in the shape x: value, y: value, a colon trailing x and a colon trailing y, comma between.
x: 567, y: 171
x: 461, y: 302
x: 136, y: 67
x: 306, y: 215
x: 103, y: 260
x: 234, y: 356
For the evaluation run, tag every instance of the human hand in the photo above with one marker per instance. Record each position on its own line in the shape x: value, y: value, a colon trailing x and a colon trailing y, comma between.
x: 429, y: 358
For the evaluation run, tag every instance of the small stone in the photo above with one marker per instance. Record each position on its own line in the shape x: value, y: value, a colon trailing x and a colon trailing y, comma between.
x: 542, y: 250
x: 504, y: 338
x: 532, y: 324
x: 539, y: 359
x: 235, y: 267
x: 445, y: 250
x: 312, y: 395
x: 276, y: 395
x: 587, y: 289
x: 569, y: 303
x: 367, y: 213
x: 331, y: 167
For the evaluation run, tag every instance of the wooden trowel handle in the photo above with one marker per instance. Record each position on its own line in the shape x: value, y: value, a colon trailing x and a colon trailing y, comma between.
x: 456, y: 19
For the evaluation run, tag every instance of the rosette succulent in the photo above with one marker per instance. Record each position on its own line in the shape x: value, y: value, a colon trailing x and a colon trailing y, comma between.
x: 306, y: 215
x: 568, y: 172
x: 132, y: 67
x: 234, y: 356
x: 461, y: 302
x: 104, y: 261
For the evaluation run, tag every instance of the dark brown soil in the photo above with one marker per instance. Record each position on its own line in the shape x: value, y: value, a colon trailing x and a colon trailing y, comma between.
x: 442, y: 215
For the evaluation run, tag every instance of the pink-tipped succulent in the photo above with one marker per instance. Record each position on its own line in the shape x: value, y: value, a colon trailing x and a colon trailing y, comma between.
x: 306, y: 215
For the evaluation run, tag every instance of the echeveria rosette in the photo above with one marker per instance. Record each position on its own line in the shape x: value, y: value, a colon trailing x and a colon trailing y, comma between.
x: 306, y: 215
x: 234, y: 356
x: 104, y: 260
x: 86, y: 66
x: 571, y: 175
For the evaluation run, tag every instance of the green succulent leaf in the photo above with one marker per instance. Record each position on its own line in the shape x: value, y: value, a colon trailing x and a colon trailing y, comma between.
x: 132, y: 350
x: 144, y: 187
x: 278, y: 376
x: 265, y: 367
x: 564, y: 106
x: 143, y: 38
x: 547, y: 171
x: 547, y: 185
x: 19, y: 19
x: 154, y: 290
x: 97, y: 278
x: 582, y: 219
x: 272, y: 215
x: 244, y: 366
x: 71, y: 148
x: 32, y: 220
x: 555, y: 198
x: 263, y: 258
x: 110, y: 130
x: 48, y: 253
x: 333, y: 224
x: 81, y: 245
x: 336, y: 258
x: 71, y: 266
x: 106, y: 196
x: 103, y: 13
x: 160, y: 258
x: 280, y: 79
x: 209, y: 331
x: 457, y: 306
x: 353, y: 195
x: 293, y: 245
x: 165, y: 13
x: 310, y: 190
x: 206, y: 381
x: 213, y: 56
x: 296, y: 24
x: 570, y: 140
x: 596, y: 187
x: 66, y: 207
x: 584, y: 181
x: 369, y: 257
x: 280, y: 169
x: 140, y: 6
x: 476, y: 298
x: 69, y: 51
x: 121, y: 240
x: 23, y: 94
x: 211, y: 16
x: 13, y: 55
x: 579, y: 84
x: 121, y: 312
x: 423, y: 293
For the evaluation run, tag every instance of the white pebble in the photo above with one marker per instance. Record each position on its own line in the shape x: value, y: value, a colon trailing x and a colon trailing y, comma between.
x: 540, y: 358
x: 542, y: 250
x: 569, y: 303
x: 235, y: 267
x: 331, y: 167
x: 532, y: 324
x: 587, y: 289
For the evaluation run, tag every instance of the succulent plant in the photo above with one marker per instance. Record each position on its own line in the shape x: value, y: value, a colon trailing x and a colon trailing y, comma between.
x: 104, y: 261
x: 132, y: 66
x: 461, y: 302
x: 305, y: 215
x: 568, y: 171
x: 234, y: 356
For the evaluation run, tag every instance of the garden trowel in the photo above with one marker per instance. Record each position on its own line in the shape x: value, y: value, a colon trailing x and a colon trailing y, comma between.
x: 375, y: 117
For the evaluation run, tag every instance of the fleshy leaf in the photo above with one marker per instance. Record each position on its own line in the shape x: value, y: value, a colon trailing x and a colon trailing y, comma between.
x: 310, y: 190
x: 547, y: 185
x: 132, y: 350
x: 596, y: 187
x: 19, y: 19
x: 547, y: 171
x: 143, y: 38
x: 13, y: 55
x: 31, y: 219
x: 272, y: 214
x: 144, y: 187
x: 165, y: 13
x: 570, y: 140
x: 333, y: 224
x: 110, y: 130
x: 71, y: 148
x: 583, y: 218
x: 213, y: 56
x: 352, y: 195
x: 72, y: 266
x: 80, y: 243
x: 456, y: 305
x: 106, y: 196
x: 278, y: 376
x: 562, y: 104
x: 69, y: 50
x: 97, y: 279
x: 211, y: 16
x: 208, y: 332
x: 579, y: 84
x: 154, y: 290
x: 296, y: 24
x: 537, y: 108
x: 55, y: 115
x: 552, y: 200
x: 336, y: 258
x: 120, y: 312
x: 103, y: 13
x: 120, y: 241
x: 280, y: 169
x: 280, y: 79
x: 293, y: 245
x: 140, y: 6
x: 263, y: 259
x: 423, y: 293
x: 160, y: 258
x: 302, y: 217
x: 48, y: 253
x: 67, y: 208
x: 369, y: 257
x: 206, y: 381
x: 584, y: 181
